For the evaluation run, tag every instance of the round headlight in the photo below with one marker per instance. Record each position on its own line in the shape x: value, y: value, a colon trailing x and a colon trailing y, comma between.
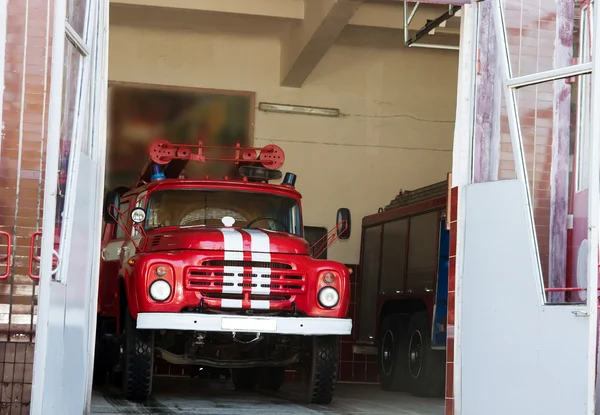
x: 138, y: 215
x: 329, y: 297
x: 160, y: 290
x: 161, y: 271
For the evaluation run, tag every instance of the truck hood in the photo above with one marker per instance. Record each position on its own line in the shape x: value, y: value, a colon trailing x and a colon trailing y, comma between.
x: 226, y: 239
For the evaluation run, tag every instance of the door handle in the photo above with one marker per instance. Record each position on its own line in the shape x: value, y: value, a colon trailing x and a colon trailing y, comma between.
x: 8, y: 253
x: 33, y: 258
x: 581, y: 313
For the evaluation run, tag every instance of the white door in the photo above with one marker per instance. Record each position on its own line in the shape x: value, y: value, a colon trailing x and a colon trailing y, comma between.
x: 72, y: 219
x: 529, y: 278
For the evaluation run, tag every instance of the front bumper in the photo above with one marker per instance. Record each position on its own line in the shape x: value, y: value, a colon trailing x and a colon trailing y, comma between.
x: 306, y: 326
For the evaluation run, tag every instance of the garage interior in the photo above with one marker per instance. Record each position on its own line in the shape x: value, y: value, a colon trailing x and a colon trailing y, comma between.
x: 395, y: 109
x: 261, y: 73
x: 393, y: 121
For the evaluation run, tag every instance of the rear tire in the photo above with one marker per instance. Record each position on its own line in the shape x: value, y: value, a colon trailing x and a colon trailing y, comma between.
x: 138, y: 359
x: 244, y: 379
x: 322, y: 368
x: 271, y: 378
x: 392, y: 352
x: 426, y: 367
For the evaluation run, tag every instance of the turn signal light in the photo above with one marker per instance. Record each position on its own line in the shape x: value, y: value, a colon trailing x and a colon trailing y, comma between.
x: 328, y: 278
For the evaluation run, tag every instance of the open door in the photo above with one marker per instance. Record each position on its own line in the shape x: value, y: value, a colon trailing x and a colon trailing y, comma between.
x: 529, y: 254
x: 71, y: 227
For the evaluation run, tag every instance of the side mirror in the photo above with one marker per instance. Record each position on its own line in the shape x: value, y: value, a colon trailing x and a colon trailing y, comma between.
x: 110, y: 212
x: 344, y: 223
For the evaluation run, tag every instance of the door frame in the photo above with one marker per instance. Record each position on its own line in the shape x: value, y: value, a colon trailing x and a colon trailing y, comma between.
x: 93, y: 70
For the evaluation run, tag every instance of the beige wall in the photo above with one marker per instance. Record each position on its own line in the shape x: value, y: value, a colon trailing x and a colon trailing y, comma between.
x: 398, y: 106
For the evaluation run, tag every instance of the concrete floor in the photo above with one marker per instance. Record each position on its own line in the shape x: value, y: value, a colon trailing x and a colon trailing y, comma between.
x: 192, y: 396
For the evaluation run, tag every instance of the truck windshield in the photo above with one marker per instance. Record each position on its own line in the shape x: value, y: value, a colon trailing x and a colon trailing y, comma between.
x: 191, y: 207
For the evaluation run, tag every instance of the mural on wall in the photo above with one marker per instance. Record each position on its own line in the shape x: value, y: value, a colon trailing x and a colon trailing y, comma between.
x: 138, y: 116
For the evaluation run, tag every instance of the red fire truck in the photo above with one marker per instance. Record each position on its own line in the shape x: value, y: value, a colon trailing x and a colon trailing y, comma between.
x: 217, y: 274
x: 403, y: 290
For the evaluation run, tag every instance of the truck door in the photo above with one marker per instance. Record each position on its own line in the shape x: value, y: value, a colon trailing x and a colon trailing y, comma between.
x: 75, y: 154
x: 112, y: 243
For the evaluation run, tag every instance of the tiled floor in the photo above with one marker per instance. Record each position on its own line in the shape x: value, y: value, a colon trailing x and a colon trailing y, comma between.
x: 190, y: 396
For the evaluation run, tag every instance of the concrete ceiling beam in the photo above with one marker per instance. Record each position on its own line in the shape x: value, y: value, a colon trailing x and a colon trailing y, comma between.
x: 308, y: 41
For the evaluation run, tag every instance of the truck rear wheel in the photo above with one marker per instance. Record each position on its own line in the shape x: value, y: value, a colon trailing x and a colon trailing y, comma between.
x: 392, y: 352
x: 271, y: 378
x: 244, y: 379
x: 138, y: 359
x: 322, y: 369
x: 426, y: 367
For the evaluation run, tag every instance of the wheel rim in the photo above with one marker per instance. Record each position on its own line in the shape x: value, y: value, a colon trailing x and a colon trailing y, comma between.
x: 415, y: 354
x: 387, y: 352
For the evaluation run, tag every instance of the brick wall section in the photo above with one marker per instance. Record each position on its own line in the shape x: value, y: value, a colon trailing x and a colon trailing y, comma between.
x: 22, y: 146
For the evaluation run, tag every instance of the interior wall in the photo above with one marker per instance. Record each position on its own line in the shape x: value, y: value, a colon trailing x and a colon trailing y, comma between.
x: 397, y: 105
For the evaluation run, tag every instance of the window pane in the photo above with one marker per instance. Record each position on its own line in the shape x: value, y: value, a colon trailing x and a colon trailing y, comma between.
x: 368, y: 284
x: 422, y: 252
x: 493, y: 157
x: 555, y: 121
x: 535, y: 28
x: 77, y: 15
x: 124, y: 209
x: 314, y: 234
x: 71, y: 81
x: 393, y: 261
x: 193, y: 207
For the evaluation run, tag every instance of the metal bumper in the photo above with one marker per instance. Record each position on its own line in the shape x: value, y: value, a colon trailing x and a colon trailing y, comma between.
x: 307, y: 326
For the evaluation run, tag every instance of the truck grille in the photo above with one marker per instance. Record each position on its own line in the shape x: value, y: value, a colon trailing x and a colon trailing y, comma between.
x: 246, y: 284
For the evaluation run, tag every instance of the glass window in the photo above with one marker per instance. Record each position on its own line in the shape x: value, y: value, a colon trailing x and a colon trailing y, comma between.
x: 195, y: 207
x: 71, y: 84
x: 314, y: 234
x: 122, y: 225
x: 422, y: 252
x: 556, y: 152
x: 77, y: 16
x: 393, y: 260
x: 369, y: 278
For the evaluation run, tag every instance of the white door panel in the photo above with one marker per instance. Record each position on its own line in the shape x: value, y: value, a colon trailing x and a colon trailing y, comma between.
x: 520, y: 356
x: 67, y: 304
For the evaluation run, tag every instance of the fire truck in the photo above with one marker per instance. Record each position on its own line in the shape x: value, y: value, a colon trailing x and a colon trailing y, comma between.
x: 215, y: 273
x: 403, y: 290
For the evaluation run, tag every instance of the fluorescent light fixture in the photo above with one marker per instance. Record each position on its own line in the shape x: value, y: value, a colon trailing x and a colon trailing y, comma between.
x: 298, y: 109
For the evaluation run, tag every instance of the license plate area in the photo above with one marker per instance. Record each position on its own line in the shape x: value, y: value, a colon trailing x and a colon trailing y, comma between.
x: 258, y: 325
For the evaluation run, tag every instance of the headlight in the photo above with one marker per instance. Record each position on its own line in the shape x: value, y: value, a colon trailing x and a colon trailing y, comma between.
x: 329, y: 297
x: 160, y: 290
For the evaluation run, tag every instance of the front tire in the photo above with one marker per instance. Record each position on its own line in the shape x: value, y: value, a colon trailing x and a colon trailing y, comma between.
x: 138, y: 359
x: 426, y: 367
x: 322, y: 370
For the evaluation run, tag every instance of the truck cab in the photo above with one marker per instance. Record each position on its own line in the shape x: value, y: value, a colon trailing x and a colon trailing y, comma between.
x: 217, y: 274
